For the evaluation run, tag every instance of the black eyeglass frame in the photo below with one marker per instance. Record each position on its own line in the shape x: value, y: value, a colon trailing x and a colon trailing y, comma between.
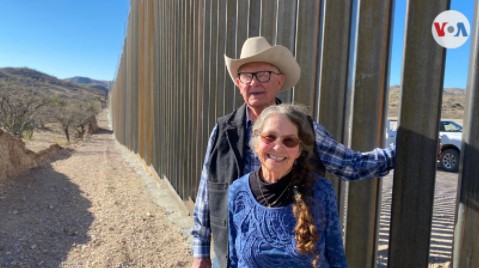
x: 255, y: 74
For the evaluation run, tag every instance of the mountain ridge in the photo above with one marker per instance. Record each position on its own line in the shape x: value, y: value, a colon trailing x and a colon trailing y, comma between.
x: 100, y: 85
x: 44, y: 84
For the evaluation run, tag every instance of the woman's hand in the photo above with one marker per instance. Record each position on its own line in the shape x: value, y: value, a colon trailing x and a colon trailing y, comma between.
x: 201, y: 263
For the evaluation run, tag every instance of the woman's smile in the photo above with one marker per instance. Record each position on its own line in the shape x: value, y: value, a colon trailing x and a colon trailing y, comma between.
x: 276, y: 158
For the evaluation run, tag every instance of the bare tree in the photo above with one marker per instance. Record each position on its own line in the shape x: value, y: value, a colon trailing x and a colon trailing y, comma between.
x: 20, y: 109
x: 74, y: 115
x: 85, y: 114
x: 60, y: 111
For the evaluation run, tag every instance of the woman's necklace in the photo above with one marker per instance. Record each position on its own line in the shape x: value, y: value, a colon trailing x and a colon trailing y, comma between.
x: 277, y: 198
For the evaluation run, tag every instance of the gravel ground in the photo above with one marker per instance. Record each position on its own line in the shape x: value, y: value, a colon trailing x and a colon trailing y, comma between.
x: 91, y: 207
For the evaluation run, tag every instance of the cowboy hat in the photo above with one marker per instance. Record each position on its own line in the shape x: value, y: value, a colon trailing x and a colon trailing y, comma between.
x: 257, y: 49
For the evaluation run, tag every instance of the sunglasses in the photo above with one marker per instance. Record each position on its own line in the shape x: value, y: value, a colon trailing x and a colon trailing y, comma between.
x: 289, y: 142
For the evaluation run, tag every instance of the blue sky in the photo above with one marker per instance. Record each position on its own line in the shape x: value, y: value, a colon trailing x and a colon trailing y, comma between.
x: 67, y: 38
x: 63, y: 38
x: 457, y: 60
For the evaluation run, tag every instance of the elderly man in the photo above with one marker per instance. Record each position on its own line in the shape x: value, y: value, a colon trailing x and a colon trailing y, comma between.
x: 261, y: 72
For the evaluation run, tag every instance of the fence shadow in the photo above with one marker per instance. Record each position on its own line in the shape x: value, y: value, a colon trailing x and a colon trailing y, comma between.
x: 44, y: 215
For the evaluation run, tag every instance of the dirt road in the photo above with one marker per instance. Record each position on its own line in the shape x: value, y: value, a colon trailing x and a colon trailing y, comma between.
x: 89, y: 208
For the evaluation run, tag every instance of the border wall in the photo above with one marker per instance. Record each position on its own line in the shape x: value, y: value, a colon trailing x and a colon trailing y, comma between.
x: 172, y: 84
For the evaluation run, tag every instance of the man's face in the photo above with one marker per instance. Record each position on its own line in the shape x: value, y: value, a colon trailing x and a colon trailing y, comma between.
x: 258, y: 95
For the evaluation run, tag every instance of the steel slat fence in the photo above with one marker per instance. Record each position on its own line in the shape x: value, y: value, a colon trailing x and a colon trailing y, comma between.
x: 172, y: 84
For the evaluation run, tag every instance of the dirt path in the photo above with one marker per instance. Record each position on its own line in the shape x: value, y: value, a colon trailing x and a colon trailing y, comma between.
x: 89, y: 208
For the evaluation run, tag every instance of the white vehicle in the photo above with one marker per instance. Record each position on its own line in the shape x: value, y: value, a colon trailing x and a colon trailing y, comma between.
x: 391, y: 131
x: 450, y: 134
x: 451, y: 137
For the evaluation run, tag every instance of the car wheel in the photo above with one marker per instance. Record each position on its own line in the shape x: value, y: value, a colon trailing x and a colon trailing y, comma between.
x: 450, y: 160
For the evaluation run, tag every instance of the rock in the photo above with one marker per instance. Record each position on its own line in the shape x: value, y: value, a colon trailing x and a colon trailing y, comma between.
x: 69, y: 231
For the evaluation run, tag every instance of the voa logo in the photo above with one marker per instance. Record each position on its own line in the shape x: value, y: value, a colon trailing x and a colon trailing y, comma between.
x: 451, y: 29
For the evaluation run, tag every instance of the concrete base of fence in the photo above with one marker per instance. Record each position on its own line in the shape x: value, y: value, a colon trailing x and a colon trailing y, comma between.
x: 161, y: 193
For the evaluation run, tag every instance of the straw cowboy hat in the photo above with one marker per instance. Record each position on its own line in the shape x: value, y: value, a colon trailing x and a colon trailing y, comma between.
x: 257, y: 49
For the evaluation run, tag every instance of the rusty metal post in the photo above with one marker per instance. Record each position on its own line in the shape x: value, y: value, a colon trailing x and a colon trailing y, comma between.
x: 181, y: 113
x: 190, y: 178
x: 466, y: 235
x: 230, y: 51
x: 156, y: 87
x: 140, y: 86
x: 414, y: 176
x: 307, y: 50
x: 199, y: 139
x: 268, y: 20
x: 220, y: 70
x: 162, y: 91
x: 369, y: 89
x: 130, y: 88
x: 242, y: 17
x: 286, y: 35
x: 333, y: 79
x: 254, y: 17
x: 169, y: 76
x: 149, y: 80
x: 204, y: 71
x: 334, y: 67
x: 176, y: 148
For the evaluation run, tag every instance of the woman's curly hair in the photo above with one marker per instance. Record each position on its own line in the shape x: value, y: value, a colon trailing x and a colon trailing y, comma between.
x: 306, y: 234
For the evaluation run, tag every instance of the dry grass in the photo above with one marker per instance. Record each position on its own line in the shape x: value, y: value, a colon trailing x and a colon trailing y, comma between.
x: 43, y: 138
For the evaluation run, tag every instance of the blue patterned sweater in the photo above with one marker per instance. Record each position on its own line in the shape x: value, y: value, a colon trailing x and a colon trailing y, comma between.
x: 264, y: 237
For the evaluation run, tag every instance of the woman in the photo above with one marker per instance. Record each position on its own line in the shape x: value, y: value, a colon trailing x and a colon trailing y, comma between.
x: 282, y: 215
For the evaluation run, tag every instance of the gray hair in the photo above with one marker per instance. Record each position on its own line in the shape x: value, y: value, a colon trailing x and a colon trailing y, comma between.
x: 298, y: 115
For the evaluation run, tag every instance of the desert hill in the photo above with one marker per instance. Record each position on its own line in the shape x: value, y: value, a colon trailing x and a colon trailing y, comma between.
x: 100, y: 85
x: 453, y: 101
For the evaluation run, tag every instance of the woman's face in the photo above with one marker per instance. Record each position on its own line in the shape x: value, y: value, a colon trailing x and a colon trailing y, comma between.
x: 276, y: 158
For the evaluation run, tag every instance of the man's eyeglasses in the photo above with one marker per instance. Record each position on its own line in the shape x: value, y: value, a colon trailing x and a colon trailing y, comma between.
x: 289, y: 142
x: 261, y: 76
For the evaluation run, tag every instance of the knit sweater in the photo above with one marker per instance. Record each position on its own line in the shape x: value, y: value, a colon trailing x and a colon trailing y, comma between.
x: 264, y: 237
